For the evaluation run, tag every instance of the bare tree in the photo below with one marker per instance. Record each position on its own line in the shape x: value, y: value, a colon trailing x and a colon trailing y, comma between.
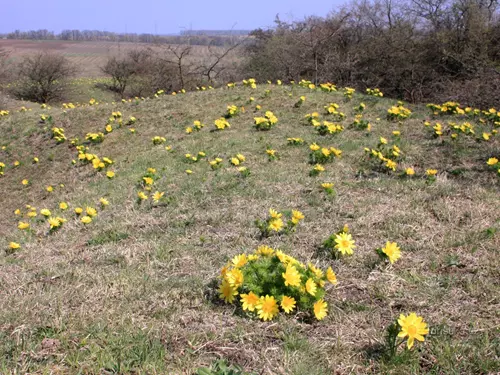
x: 177, y: 55
x: 212, y: 67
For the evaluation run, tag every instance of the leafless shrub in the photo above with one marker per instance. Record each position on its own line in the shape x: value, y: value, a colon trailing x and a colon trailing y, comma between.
x: 42, y: 77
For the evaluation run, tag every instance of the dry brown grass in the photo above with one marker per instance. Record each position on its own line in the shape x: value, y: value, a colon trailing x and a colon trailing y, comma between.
x: 139, y: 281
x: 89, y: 57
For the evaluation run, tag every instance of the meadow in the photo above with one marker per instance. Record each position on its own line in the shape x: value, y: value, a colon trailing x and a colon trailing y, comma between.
x: 123, y: 226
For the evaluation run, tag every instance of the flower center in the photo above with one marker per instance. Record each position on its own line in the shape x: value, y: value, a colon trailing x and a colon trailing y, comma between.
x: 412, y: 330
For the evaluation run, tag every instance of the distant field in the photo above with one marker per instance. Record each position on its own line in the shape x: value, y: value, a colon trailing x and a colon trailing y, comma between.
x: 88, y: 57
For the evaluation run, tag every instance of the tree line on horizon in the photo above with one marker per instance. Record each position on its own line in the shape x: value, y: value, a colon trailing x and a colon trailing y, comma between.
x: 192, y: 37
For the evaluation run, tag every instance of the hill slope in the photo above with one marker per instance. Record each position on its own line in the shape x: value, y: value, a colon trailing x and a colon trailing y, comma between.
x: 134, y: 290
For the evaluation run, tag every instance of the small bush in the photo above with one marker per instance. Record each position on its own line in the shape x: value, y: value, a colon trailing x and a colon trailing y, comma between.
x: 42, y: 77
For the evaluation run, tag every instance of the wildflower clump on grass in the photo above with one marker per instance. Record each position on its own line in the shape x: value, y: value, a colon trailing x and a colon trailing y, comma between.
x: 328, y: 188
x: 322, y: 155
x: 272, y: 155
x: 95, y: 137
x: 398, y: 112
x: 431, y: 175
x: 267, y: 122
x: 374, y: 92
x: 269, y: 282
x: 157, y: 140
x: 299, y: 103
x: 360, y: 123
x: 327, y: 127
x: 327, y: 87
x: 221, y: 124
x: 340, y: 243
x: 348, y: 93
x: 58, y: 134
x: 295, y: 141
x: 231, y: 111
x: 494, y: 164
x: 251, y: 82
x: 216, y: 163
x: 317, y: 169
x: 274, y: 222
x: 332, y: 110
x: 197, y: 126
x: 385, y: 155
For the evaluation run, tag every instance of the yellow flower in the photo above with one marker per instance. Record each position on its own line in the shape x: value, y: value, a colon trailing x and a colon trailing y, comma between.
x: 31, y: 214
x: 330, y: 276
x: 239, y: 260
x: 392, y: 251
x: 412, y: 326
x: 235, y: 278
x: 142, y: 196
x: 492, y: 161
x: 227, y: 292
x: 17, y: 212
x: 104, y: 202
x: 410, y: 171
x: 320, y: 309
x: 91, y: 211
x: 311, y: 287
x: 157, y: 196
x: 271, y: 152
x: 235, y: 161
x: 189, y: 171
x: 148, y: 180
x: 110, y: 174
x: 265, y: 250
x: 50, y: 189
x: 314, y: 147
x: 54, y: 222
x: 63, y: 206
x: 431, y: 172
x: 383, y: 140
x: 288, y: 304
x: 25, y: 182
x: 45, y: 212
x: 291, y: 276
x: 396, y: 133
x: 249, y: 301
x: 319, y: 168
x: 86, y: 220
x: 78, y: 210
x: 276, y: 225
x: 14, y: 246
x: 327, y: 185
x: 267, y: 308
x: 344, y: 243
x: 274, y: 214
x: 297, y: 216
x: 23, y: 225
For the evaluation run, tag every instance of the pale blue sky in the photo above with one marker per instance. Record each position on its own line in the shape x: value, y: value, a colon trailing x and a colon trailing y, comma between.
x: 140, y: 16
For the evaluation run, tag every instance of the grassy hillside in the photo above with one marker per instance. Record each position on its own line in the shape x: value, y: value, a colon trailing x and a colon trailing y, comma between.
x: 136, y: 290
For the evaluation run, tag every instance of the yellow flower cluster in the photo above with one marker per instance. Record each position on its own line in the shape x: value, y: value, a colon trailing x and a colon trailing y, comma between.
x: 398, y: 112
x: 349, y: 92
x: 333, y: 109
x: 295, y: 141
x: 58, y: 134
x: 266, y: 122
x: 374, y: 92
x: 269, y: 280
x: 158, y: 140
x: 221, y: 124
x: 250, y: 83
x: 197, y: 126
